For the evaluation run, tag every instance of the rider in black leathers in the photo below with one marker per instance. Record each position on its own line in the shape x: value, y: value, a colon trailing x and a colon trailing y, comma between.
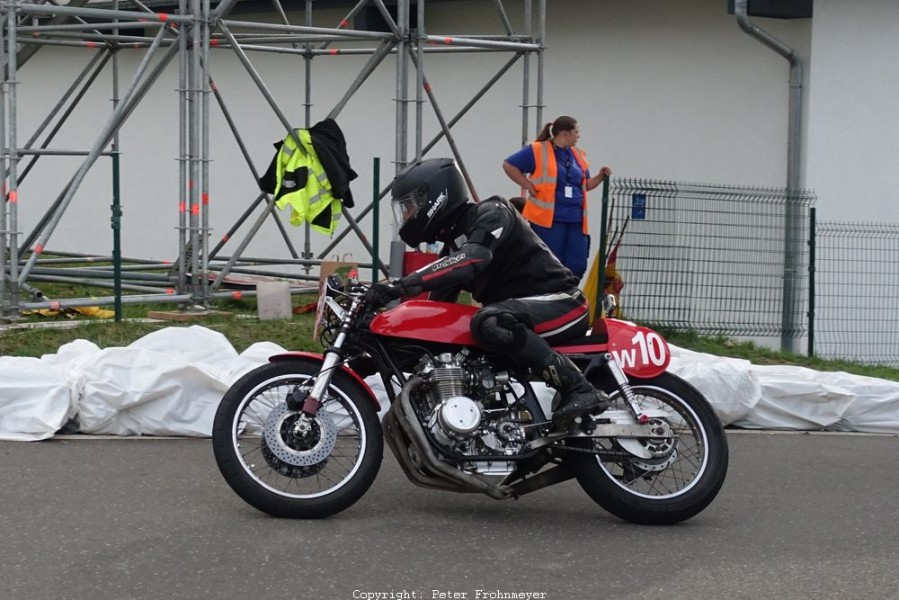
x: 530, y: 300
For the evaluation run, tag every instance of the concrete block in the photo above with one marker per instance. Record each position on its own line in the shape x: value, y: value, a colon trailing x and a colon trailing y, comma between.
x: 273, y: 300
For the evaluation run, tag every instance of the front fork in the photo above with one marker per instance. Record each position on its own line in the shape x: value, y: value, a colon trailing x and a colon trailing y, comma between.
x: 316, y: 395
x: 332, y: 357
x: 606, y: 361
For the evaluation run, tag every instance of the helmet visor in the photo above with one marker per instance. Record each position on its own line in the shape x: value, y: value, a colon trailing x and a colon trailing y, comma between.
x: 407, y: 207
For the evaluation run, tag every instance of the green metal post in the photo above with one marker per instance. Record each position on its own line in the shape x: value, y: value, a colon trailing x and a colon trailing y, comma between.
x: 375, y: 217
x: 604, y: 217
x: 116, y: 238
x: 811, y: 282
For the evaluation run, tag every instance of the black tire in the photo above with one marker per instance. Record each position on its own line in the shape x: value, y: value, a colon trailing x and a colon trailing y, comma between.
x: 673, y: 486
x: 284, y: 475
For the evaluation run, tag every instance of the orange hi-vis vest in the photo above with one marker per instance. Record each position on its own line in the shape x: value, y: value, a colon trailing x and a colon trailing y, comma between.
x: 539, y: 209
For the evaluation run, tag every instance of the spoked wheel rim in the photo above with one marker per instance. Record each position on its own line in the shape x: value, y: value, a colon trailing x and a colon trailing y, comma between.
x: 291, y: 463
x: 665, y: 467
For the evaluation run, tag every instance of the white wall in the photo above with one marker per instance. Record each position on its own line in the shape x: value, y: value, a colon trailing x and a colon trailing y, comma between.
x: 853, y: 116
x: 670, y: 90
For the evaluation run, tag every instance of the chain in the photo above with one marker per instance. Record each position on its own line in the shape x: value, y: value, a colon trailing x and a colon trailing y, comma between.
x: 605, y: 454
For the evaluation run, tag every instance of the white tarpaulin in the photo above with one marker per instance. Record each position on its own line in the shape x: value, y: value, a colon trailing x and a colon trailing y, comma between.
x: 786, y: 397
x: 170, y: 383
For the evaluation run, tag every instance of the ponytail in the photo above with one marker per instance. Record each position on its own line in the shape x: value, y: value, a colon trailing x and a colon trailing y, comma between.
x: 545, y: 133
x: 550, y: 130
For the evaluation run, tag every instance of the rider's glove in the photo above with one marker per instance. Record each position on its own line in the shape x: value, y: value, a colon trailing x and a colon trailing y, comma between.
x: 382, y: 294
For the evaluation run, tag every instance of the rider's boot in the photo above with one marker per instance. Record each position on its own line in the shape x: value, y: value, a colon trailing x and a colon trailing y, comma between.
x: 576, y: 395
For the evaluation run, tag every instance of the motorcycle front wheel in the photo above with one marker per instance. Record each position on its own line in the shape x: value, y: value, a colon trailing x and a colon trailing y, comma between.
x: 658, y: 481
x: 290, y: 471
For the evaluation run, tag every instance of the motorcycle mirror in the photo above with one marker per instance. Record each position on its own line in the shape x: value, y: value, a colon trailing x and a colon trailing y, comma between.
x: 333, y: 284
x: 609, y: 304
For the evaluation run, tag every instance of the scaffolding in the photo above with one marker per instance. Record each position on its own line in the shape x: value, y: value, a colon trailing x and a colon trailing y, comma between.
x: 183, y: 33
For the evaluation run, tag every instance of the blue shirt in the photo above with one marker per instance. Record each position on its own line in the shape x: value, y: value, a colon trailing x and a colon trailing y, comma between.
x: 568, y: 173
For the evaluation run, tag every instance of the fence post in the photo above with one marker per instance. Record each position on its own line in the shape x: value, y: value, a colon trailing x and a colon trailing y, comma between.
x: 601, y: 284
x: 811, y: 281
x: 375, y: 217
x: 116, y: 237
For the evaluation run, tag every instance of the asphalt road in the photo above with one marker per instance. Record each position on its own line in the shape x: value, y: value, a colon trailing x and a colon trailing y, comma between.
x: 800, y: 516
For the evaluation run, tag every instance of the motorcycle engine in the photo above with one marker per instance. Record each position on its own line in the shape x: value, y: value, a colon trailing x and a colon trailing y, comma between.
x: 468, y: 409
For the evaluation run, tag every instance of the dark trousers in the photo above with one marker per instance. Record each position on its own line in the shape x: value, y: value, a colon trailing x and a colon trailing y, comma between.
x: 527, y: 327
x: 568, y: 242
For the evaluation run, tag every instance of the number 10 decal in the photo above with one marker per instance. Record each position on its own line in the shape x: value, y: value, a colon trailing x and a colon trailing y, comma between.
x: 640, y: 351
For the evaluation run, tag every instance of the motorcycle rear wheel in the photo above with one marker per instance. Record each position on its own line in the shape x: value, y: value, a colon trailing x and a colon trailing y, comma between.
x: 287, y: 475
x: 686, y: 471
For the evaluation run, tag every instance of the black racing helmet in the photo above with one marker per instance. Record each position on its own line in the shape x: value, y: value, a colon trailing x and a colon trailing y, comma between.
x: 426, y: 196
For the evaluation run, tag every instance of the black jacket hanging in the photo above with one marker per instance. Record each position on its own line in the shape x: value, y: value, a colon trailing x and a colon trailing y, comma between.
x: 330, y: 145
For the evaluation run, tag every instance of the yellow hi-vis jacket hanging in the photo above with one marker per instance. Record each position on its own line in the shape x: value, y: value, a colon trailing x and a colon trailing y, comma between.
x: 301, y: 182
x: 539, y: 209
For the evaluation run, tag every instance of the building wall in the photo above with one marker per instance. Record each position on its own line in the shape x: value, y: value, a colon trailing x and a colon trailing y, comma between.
x: 853, y: 121
x: 665, y: 90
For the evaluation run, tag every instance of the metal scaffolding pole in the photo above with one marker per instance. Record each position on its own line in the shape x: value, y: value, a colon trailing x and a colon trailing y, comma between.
x: 5, y: 306
x: 136, y: 88
x: 196, y: 29
x: 439, y: 136
x: 90, y: 72
x: 12, y: 162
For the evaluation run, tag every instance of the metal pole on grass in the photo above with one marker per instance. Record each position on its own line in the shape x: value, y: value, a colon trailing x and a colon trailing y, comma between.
x: 811, y: 282
x: 116, y: 193
x: 603, y: 234
x: 375, y: 217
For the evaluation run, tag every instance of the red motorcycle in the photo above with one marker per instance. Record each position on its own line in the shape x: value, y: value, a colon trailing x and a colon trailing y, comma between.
x: 300, y: 436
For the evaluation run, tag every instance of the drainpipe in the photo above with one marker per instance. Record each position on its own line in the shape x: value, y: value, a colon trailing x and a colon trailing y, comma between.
x: 793, y: 216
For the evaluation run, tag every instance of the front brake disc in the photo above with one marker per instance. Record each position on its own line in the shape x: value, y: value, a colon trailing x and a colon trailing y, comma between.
x: 299, y: 450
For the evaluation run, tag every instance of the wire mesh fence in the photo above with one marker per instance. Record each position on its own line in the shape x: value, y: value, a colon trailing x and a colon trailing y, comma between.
x: 856, y: 299
x: 744, y: 261
x: 714, y: 259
